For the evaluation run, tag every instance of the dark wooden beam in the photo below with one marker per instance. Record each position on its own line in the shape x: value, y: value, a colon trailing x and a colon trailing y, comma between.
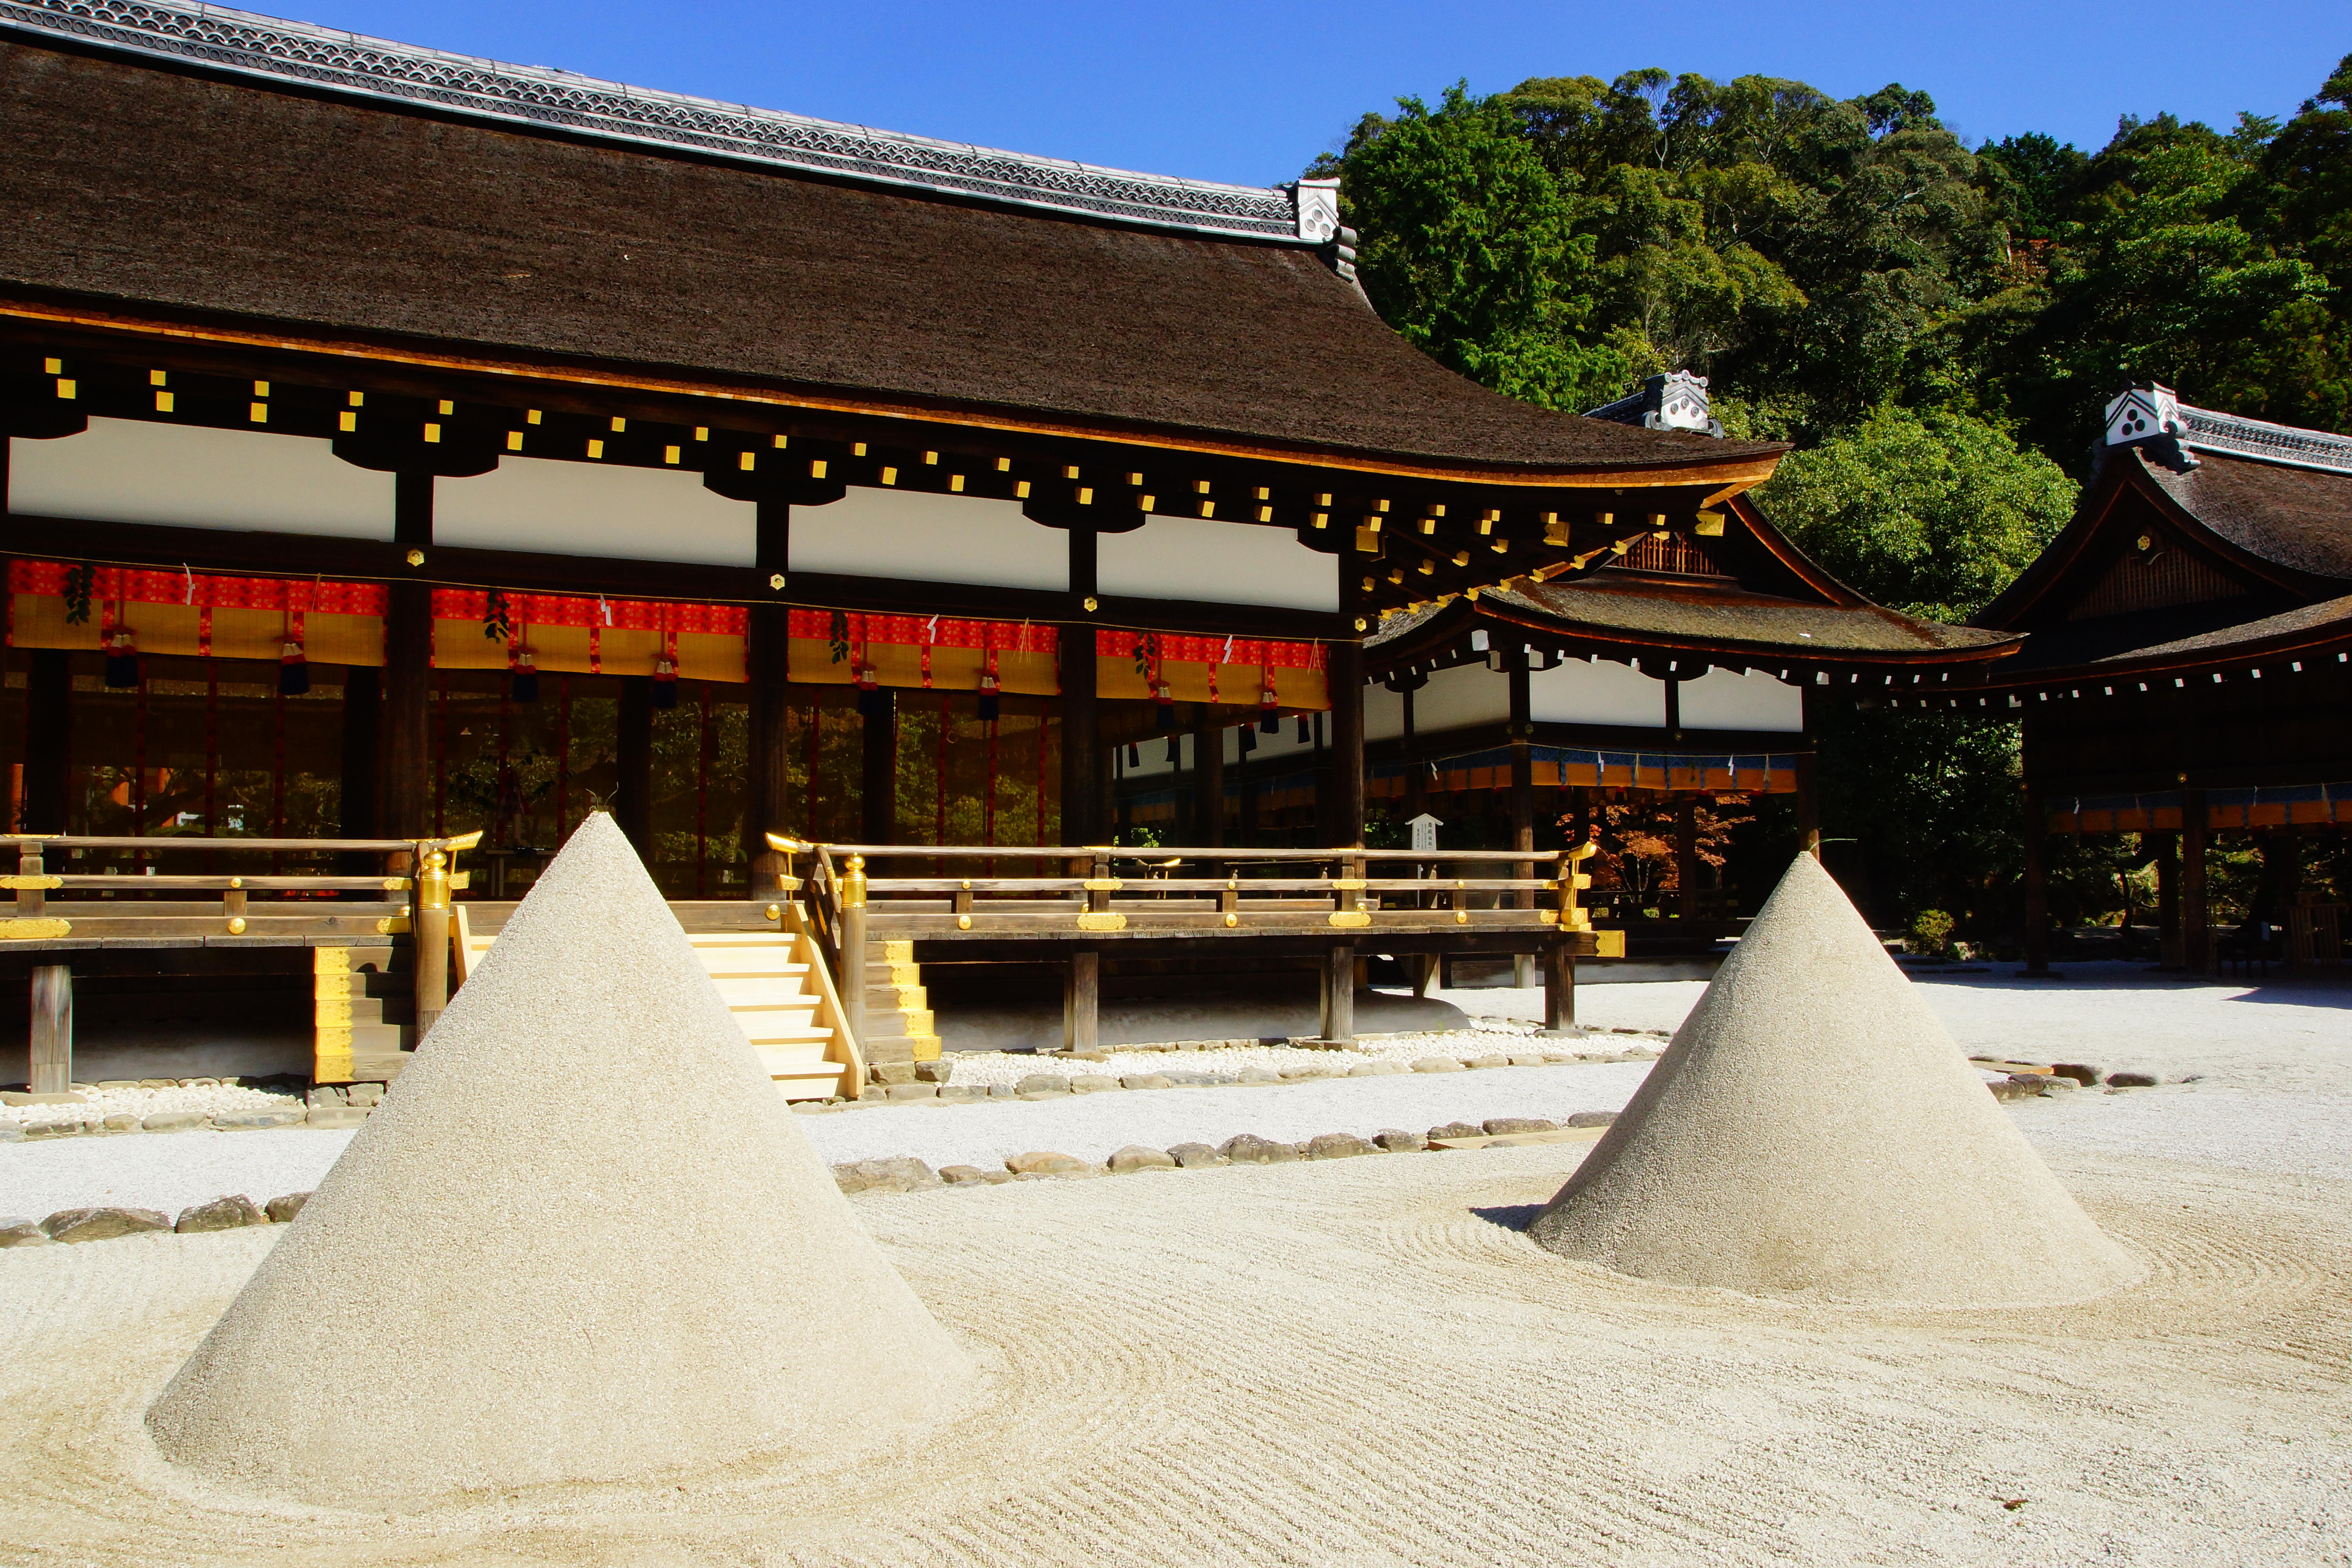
x: 1208, y: 777
x: 2037, y: 883
x: 49, y: 740
x: 632, y: 796
x: 767, y: 646
x: 878, y: 786
x: 1082, y: 758
x: 404, y: 753
x: 1342, y: 786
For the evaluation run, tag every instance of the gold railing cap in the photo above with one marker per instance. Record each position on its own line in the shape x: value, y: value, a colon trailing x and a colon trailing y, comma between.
x: 463, y: 841
x: 785, y: 846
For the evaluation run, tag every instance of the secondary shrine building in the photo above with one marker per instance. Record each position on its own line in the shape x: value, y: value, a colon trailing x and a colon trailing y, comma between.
x: 401, y: 444
x: 2187, y: 666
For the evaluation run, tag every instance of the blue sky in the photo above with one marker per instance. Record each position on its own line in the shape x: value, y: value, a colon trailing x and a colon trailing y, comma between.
x: 1249, y: 92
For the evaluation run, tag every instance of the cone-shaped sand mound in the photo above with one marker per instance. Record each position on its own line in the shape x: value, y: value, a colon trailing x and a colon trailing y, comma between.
x: 513, y: 1277
x: 1814, y: 1130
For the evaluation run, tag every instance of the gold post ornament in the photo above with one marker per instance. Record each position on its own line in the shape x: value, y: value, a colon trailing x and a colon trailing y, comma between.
x: 1573, y: 915
x: 852, y: 883
x: 787, y: 848
x: 433, y: 880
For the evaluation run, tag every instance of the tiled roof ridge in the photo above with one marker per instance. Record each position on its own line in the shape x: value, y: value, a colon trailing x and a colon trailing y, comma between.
x: 319, y: 57
x: 2209, y: 431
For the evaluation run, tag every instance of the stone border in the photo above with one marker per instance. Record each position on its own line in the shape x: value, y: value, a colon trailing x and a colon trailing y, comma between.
x: 105, y: 1223
x: 1057, y: 1086
x: 909, y: 1174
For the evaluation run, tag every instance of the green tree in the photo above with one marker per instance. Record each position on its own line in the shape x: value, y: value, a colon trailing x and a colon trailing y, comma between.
x: 1471, y: 249
x: 1931, y: 514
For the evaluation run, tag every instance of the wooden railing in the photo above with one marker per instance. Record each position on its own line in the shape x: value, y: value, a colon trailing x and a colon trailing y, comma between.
x: 423, y: 883
x: 1339, y: 893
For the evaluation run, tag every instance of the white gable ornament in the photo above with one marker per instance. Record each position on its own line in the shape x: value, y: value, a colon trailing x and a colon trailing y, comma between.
x: 2151, y: 412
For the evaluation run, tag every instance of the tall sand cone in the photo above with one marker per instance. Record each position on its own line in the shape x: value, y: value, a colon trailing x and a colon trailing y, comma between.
x: 583, y: 1239
x: 1814, y: 1130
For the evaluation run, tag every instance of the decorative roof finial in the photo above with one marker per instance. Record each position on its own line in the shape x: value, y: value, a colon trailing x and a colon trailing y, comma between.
x: 1675, y: 401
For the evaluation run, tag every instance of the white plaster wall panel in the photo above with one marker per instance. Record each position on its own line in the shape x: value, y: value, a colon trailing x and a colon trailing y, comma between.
x: 1722, y: 700
x: 1459, y: 697
x: 1384, y: 713
x: 1601, y: 693
x: 1218, y: 563
x: 590, y: 509
x: 929, y: 539
x: 188, y: 476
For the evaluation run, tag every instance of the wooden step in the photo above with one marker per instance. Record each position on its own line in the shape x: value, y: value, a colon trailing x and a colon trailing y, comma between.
x: 796, y: 1054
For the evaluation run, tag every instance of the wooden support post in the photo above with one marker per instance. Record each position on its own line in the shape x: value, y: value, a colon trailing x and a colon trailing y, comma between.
x: 52, y: 1036
x: 852, y: 948
x: 1523, y: 797
x: 1686, y: 860
x: 1081, y: 732
x: 1082, y: 1001
x: 877, y: 770
x: 1208, y: 778
x: 2037, y: 886
x: 1342, y: 791
x: 1339, y: 995
x: 2196, y: 939
x: 1424, y: 972
x: 404, y: 757
x: 1809, y: 800
x: 362, y: 726
x: 767, y: 647
x: 1560, y: 985
x: 2168, y: 899
x: 431, y: 930
x: 49, y: 740
x: 1808, y: 808
x: 633, y: 794
x: 30, y: 899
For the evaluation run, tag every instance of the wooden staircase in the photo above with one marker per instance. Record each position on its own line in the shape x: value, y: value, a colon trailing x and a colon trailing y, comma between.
x: 899, y: 1022
x: 775, y: 983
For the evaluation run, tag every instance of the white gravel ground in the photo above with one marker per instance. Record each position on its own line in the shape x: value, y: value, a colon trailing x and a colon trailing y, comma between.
x: 211, y: 1099
x: 2273, y: 1059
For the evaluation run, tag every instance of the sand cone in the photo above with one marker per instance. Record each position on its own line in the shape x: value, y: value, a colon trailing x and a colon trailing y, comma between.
x: 1814, y: 1130
x: 581, y: 1240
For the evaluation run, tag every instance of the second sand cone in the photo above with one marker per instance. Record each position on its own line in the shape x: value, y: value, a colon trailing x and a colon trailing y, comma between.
x: 1814, y: 1132
x: 582, y: 1240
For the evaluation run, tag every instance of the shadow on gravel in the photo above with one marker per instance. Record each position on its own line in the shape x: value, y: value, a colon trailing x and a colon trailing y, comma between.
x: 1510, y: 1216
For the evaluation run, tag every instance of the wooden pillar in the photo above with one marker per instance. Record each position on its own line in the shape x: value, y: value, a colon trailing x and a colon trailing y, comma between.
x: 2168, y: 899
x: 362, y: 763
x: 404, y: 756
x: 52, y: 1035
x: 1686, y: 860
x: 1416, y: 776
x: 878, y: 772
x: 49, y: 740
x: 362, y: 720
x: 1081, y: 735
x: 1208, y: 778
x: 1342, y: 791
x: 767, y: 668
x: 1808, y: 799
x: 1523, y: 797
x: 1339, y: 1022
x: 632, y: 755
x: 1560, y: 985
x: 1082, y: 1001
x: 2196, y: 941
x: 2037, y: 886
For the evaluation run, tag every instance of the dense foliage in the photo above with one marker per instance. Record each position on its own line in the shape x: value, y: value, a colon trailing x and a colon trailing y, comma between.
x: 1935, y: 327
